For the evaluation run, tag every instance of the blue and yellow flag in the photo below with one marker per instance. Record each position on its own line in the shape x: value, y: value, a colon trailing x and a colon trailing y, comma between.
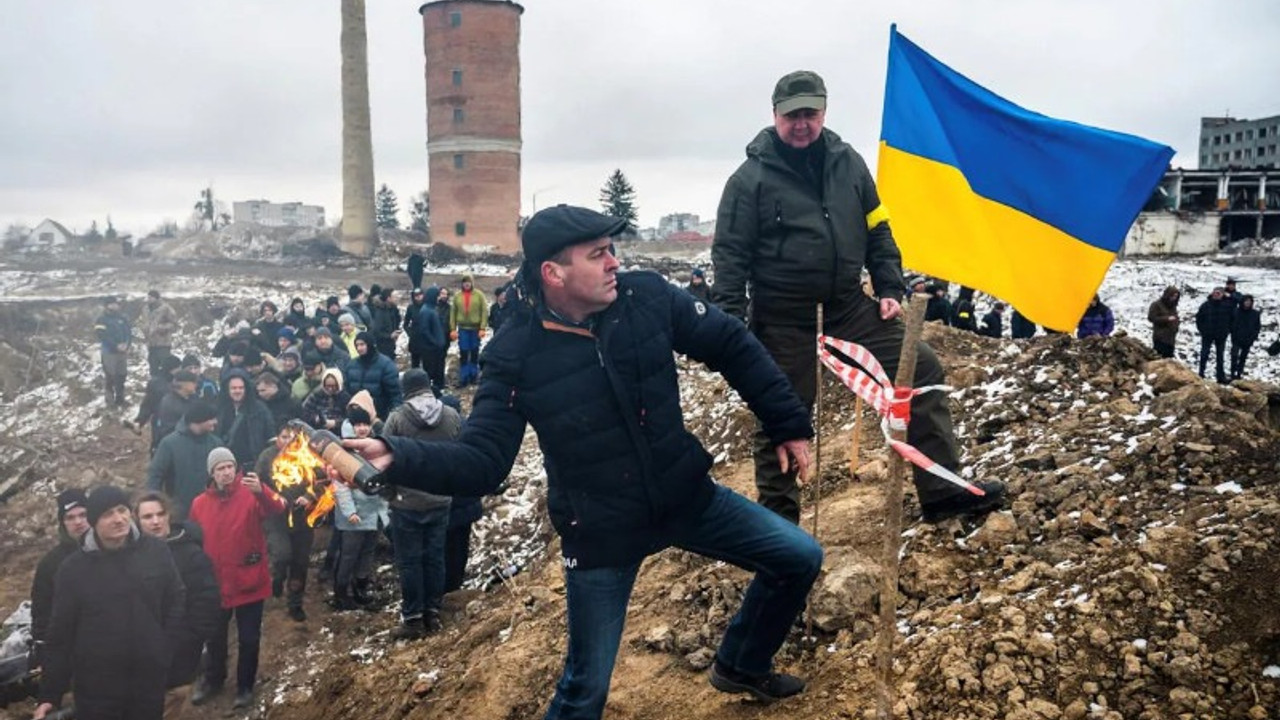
x: 987, y: 194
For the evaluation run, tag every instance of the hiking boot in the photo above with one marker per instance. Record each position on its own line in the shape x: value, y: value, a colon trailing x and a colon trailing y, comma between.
x: 203, y: 691
x: 244, y: 699
x: 409, y: 630
x: 765, y: 688
x: 297, y: 614
x: 431, y: 622
x: 965, y: 503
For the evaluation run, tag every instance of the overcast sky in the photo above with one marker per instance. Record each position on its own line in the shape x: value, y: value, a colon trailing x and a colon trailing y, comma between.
x: 129, y: 108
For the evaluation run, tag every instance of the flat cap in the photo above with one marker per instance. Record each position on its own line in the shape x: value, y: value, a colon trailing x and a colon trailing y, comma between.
x: 556, y: 228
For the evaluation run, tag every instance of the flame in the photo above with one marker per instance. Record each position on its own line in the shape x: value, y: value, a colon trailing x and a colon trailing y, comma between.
x: 297, y: 465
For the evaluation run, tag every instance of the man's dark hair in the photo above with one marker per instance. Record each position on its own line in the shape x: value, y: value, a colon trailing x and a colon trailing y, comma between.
x: 185, y: 376
x: 151, y: 496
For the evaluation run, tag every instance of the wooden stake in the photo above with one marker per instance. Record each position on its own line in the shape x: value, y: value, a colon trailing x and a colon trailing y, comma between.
x: 854, y: 450
x: 898, y: 469
x: 816, y: 476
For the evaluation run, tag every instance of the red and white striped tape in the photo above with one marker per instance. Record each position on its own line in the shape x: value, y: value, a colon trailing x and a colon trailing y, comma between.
x: 872, y: 384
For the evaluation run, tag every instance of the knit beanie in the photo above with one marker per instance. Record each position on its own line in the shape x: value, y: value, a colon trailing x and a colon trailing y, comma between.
x: 288, y: 333
x: 69, y: 500
x: 216, y: 457
x: 103, y: 498
x: 346, y: 319
x: 414, y: 382
x: 324, y: 331
x: 200, y: 411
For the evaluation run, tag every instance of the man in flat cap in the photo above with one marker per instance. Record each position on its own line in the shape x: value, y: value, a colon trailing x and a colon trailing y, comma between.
x: 589, y: 363
x: 798, y: 222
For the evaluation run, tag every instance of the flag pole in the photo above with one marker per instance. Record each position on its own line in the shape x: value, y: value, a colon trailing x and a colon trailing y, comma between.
x: 898, y: 469
x: 816, y: 475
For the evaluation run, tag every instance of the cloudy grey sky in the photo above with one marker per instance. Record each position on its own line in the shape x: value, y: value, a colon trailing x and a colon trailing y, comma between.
x: 129, y: 108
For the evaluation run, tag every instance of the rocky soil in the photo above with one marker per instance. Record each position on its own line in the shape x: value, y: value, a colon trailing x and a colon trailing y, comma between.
x: 1134, y: 575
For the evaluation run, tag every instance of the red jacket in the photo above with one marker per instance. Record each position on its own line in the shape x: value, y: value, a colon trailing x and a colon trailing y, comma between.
x: 234, y: 539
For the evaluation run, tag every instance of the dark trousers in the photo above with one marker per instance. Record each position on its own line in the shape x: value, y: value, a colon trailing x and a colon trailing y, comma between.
x: 248, y: 636
x: 290, y: 552
x: 457, y: 549
x: 929, y: 430
x: 733, y: 529
x: 154, y: 354
x: 355, y: 562
x: 1218, y: 345
x: 1163, y: 349
x: 433, y: 363
x: 418, y: 538
x: 133, y: 706
x: 1239, y: 353
x: 418, y: 358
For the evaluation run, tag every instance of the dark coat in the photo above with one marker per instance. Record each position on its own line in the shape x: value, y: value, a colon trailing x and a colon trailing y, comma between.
x: 1213, y: 318
x: 794, y: 246
x: 429, y: 331
x: 246, y: 429
x: 1098, y: 320
x: 386, y: 321
x: 963, y: 313
x: 283, y: 407
x: 1020, y: 327
x: 116, y: 615
x: 172, y: 407
x: 992, y: 324
x: 376, y: 373
x: 410, y: 325
x: 335, y: 357
x: 178, y: 467
x: 1163, y: 315
x: 938, y: 310
x: 112, y: 330
x: 42, y: 587
x: 203, y: 603
x: 622, y: 470
x: 265, y: 337
x: 1246, y: 324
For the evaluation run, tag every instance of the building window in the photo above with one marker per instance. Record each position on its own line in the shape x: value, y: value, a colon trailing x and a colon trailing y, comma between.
x: 455, y: 19
x: 1248, y: 152
x: 457, y: 77
x: 460, y: 229
x: 1262, y: 132
x: 458, y: 115
x: 1248, y: 134
x: 458, y: 161
x: 1217, y: 139
x: 1271, y: 149
x: 1239, y: 136
x: 1204, y: 141
x: 1237, y: 155
x: 1204, y: 160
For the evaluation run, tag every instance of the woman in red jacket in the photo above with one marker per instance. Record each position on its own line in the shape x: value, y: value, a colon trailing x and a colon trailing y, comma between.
x: 230, y: 512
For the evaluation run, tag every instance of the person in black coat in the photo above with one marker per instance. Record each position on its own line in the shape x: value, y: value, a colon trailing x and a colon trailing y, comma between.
x: 1020, y: 328
x: 386, y: 322
x: 592, y: 367
x: 939, y: 308
x: 203, y: 607
x: 432, y: 333
x: 1213, y: 320
x: 963, y: 313
x: 243, y: 421
x: 993, y: 322
x: 1245, y: 327
x: 417, y: 350
x: 73, y: 523
x: 117, y: 613
x: 278, y: 397
x: 371, y: 370
x: 266, y: 329
x: 160, y: 385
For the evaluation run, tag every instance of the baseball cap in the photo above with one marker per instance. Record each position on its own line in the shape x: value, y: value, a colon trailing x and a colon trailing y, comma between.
x: 800, y: 89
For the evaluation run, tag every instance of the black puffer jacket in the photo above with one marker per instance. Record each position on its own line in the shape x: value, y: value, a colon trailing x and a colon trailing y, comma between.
x: 1213, y: 318
x: 42, y: 586
x: 115, y: 618
x: 1247, y: 322
x: 622, y: 470
x: 203, y: 602
x: 796, y: 247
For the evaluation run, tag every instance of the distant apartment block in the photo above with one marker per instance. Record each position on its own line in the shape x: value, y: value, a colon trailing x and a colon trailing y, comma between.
x: 1234, y: 143
x: 292, y: 214
x: 676, y: 223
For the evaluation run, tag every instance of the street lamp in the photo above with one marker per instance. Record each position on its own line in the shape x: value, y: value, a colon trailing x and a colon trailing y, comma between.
x: 535, y: 195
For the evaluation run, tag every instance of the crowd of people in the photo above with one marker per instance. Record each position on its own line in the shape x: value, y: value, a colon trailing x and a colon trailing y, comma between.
x: 1226, y: 314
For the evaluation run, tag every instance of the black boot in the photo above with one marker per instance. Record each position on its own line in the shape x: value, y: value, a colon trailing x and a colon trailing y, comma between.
x: 964, y: 503
x: 362, y: 592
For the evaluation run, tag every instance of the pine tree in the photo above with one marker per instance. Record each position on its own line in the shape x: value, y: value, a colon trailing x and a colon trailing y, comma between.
x: 618, y: 199
x: 111, y: 233
x: 420, y: 213
x: 386, y: 208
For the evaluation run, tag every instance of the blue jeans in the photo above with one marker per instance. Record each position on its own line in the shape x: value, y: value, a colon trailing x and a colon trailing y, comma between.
x: 418, y: 539
x: 468, y: 356
x: 786, y: 561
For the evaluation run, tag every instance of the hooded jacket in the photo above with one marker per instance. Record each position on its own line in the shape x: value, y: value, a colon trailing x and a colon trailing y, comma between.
x: 1163, y: 315
x: 790, y: 246
x: 1247, y: 323
x: 410, y: 323
x: 203, y: 609
x: 424, y: 417
x: 116, y: 614
x: 246, y: 429
x: 375, y: 373
x: 320, y: 407
x: 178, y: 467
x: 623, y: 473
x: 1098, y: 320
x: 429, y: 332
x: 235, y: 541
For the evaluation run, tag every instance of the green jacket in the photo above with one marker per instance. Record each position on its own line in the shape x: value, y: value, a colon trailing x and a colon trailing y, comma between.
x: 472, y: 317
x: 178, y: 468
x: 788, y: 248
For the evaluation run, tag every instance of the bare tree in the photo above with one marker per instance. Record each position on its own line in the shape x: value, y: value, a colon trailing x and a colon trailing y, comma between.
x: 358, y: 233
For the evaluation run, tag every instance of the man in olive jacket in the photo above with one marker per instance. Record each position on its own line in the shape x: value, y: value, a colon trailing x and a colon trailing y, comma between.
x: 797, y: 223
x: 591, y: 366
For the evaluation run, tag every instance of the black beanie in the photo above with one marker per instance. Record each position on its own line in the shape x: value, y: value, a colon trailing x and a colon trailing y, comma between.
x: 69, y: 500
x: 354, y: 291
x: 414, y: 382
x: 358, y: 416
x: 103, y: 498
x: 200, y: 411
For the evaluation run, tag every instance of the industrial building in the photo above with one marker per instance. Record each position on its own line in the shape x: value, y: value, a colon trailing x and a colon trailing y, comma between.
x: 265, y: 212
x: 1227, y: 142
x: 472, y: 50
x: 1195, y: 212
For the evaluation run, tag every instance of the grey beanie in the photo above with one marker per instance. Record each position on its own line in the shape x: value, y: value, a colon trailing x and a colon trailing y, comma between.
x: 218, y: 456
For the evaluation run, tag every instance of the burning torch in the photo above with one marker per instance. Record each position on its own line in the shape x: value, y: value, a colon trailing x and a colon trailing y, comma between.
x: 353, y: 469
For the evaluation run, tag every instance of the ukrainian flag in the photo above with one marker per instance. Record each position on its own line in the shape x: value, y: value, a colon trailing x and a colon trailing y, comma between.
x: 987, y: 194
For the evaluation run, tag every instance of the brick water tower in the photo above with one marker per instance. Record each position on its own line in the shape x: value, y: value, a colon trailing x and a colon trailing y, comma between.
x: 473, y: 120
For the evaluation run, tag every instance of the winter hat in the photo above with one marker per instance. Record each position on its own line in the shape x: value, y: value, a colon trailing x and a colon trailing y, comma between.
x: 269, y: 377
x: 200, y: 411
x: 331, y: 301
x: 103, y: 498
x: 358, y: 415
x: 414, y: 381
x: 69, y: 500
x: 311, y: 360
x: 169, y: 363
x: 347, y: 318
x: 699, y: 272
x: 324, y: 331
x: 216, y: 457
x: 556, y: 228
x: 294, y: 351
x: 367, y: 337
x: 191, y: 360
x: 240, y: 348
x: 354, y: 291
x: 287, y: 333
